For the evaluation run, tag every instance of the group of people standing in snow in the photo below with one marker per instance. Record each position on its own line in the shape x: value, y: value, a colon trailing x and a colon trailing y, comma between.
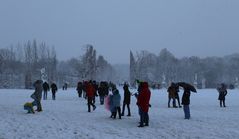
x: 173, y: 90
x: 90, y: 90
x: 143, y: 98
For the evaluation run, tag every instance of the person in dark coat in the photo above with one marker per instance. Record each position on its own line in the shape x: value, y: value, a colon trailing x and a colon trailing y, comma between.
x: 222, y: 94
x: 106, y: 88
x: 171, y: 94
x: 143, y: 104
x: 127, y: 96
x: 64, y: 87
x: 102, y: 93
x: 177, y: 95
x: 38, y: 94
x: 79, y: 89
x: 116, y: 101
x: 95, y: 91
x: 90, y: 90
x: 186, y: 102
x: 46, y: 88
x: 84, y: 83
x: 53, y: 90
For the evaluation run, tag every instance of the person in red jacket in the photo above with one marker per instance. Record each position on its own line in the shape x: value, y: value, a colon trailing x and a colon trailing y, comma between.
x: 143, y: 104
x: 90, y: 89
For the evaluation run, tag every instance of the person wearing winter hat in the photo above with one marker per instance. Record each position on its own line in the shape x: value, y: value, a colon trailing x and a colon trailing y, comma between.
x: 116, y: 101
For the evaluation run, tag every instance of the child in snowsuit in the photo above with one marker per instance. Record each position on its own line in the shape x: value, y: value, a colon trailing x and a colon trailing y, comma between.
x: 29, y: 107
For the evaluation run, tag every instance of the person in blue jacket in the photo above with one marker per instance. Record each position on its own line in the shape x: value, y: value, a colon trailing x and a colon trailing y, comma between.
x: 116, y: 102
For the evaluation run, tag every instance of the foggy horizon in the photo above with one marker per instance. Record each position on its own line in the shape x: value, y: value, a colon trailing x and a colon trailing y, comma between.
x: 185, y: 28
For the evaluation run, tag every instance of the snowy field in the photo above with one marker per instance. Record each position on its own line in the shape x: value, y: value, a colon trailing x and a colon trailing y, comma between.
x: 67, y: 118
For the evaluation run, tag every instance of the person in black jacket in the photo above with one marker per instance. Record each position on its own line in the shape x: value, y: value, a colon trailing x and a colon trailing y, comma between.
x: 222, y: 94
x: 38, y: 94
x: 127, y: 96
x: 53, y: 90
x: 46, y: 88
x: 186, y: 102
x: 79, y: 89
x: 101, y: 92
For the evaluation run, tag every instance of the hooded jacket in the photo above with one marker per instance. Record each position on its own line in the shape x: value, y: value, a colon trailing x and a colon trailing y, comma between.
x: 144, y: 97
x: 90, y: 90
x: 116, y: 98
x: 127, y: 94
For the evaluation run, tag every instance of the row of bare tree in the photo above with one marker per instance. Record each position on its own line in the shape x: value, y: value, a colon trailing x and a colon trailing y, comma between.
x: 213, y: 70
x: 20, y: 66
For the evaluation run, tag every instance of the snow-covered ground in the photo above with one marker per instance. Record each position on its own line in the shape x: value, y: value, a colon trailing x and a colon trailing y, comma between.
x: 67, y: 118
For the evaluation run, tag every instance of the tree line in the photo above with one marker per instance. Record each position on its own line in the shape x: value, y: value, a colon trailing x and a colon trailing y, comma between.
x: 21, y: 65
x: 211, y: 70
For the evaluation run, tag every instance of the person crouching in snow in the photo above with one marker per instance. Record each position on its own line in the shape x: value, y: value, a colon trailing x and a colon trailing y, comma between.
x: 29, y: 107
x: 143, y: 104
x: 116, y: 102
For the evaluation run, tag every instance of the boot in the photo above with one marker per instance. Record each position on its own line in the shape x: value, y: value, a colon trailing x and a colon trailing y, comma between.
x: 141, y: 125
x: 113, y: 115
x: 88, y: 108
x: 94, y: 107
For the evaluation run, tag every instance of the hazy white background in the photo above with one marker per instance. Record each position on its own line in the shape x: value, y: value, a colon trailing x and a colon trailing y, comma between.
x: 184, y: 27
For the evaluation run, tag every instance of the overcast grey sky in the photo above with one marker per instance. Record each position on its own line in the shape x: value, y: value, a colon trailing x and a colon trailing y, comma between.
x: 114, y: 27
